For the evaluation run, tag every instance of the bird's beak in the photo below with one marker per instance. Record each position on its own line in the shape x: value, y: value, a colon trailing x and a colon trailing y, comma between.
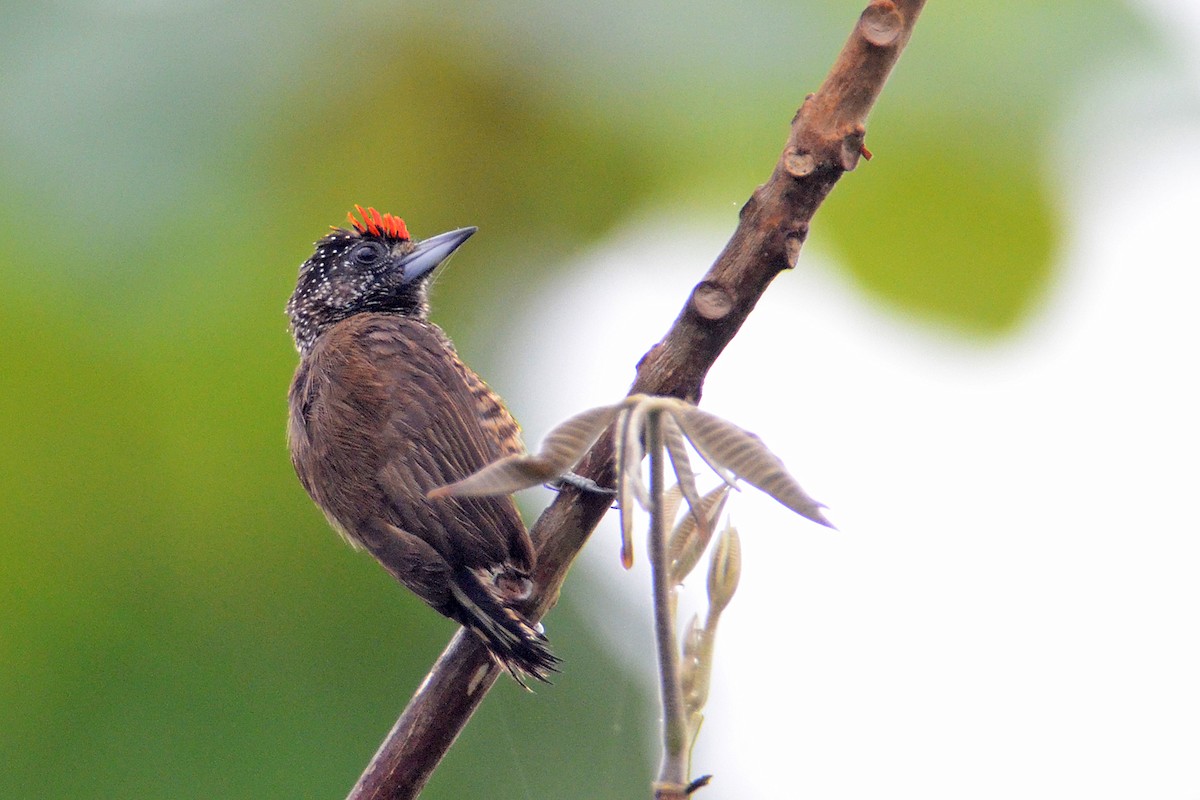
x: 428, y: 253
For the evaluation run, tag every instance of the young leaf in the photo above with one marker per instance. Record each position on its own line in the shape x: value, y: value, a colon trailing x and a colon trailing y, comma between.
x: 562, y: 449
x: 633, y: 453
x: 725, y: 570
x: 670, y: 505
x: 689, y: 659
x: 625, y: 490
x: 505, y: 476
x: 744, y: 454
x: 682, y: 465
x: 675, y: 407
x: 567, y: 443
x: 689, y: 540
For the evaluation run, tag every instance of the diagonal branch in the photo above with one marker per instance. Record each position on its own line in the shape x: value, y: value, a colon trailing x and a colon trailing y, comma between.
x: 826, y: 140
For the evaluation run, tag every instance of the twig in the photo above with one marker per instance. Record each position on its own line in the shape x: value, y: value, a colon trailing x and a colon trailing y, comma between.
x: 826, y: 140
x: 672, y: 772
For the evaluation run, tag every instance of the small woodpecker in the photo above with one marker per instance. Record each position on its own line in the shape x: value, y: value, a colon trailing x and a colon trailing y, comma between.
x: 381, y: 410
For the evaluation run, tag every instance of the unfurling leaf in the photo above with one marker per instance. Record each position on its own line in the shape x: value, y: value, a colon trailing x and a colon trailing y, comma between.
x: 670, y: 504
x: 562, y: 449
x: 724, y: 571
x: 630, y: 487
x: 696, y: 664
x: 688, y: 541
x: 633, y: 452
x: 624, y: 495
x: 682, y: 465
x: 567, y: 443
x: 724, y: 444
x: 505, y: 476
x: 689, y: 661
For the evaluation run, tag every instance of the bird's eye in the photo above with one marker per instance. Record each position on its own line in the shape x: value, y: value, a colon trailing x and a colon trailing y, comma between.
x: 367, y: 255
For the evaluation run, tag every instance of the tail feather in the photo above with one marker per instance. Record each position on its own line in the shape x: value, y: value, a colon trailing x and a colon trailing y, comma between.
x: 513, y: 641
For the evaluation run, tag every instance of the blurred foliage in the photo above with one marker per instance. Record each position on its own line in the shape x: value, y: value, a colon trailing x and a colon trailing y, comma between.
x: 989, y: 258
x: 176, y: 620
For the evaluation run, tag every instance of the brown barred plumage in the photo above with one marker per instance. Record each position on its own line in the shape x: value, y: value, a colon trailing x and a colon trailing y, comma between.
x: 381, y: 410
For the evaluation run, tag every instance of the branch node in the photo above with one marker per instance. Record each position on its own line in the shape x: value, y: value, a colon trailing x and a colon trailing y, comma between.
x: 852, y: 147
x: 711, y: 301
x: 750, y: 205
x: 881, y: 24
x: 648, y: 355
x: 793, y: 242
x: 807, y: 99
x: 799, y: 165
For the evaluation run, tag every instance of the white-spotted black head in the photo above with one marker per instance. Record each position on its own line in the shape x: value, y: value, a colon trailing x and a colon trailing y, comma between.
x: 372, y: 266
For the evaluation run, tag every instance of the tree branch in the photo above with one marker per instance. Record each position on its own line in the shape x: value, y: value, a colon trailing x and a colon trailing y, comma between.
x: 826, y: 140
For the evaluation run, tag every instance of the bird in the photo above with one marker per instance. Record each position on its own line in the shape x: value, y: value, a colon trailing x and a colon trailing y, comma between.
x: 381, y: 411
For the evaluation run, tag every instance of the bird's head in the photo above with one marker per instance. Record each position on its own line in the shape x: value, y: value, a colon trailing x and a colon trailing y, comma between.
x: 372, y: 266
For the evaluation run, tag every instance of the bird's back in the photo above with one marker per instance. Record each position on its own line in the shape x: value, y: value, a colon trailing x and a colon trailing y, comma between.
x: 382, y: 411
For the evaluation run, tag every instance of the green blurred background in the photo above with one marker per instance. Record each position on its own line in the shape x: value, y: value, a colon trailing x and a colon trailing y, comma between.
x: 176, y: 619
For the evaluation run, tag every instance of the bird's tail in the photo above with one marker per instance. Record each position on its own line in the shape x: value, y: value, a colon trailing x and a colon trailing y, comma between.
x: 513, y: 641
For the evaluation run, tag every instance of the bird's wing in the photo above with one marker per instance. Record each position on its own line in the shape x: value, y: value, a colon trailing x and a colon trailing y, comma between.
x: 412, y: 401
x: 502, y: 431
